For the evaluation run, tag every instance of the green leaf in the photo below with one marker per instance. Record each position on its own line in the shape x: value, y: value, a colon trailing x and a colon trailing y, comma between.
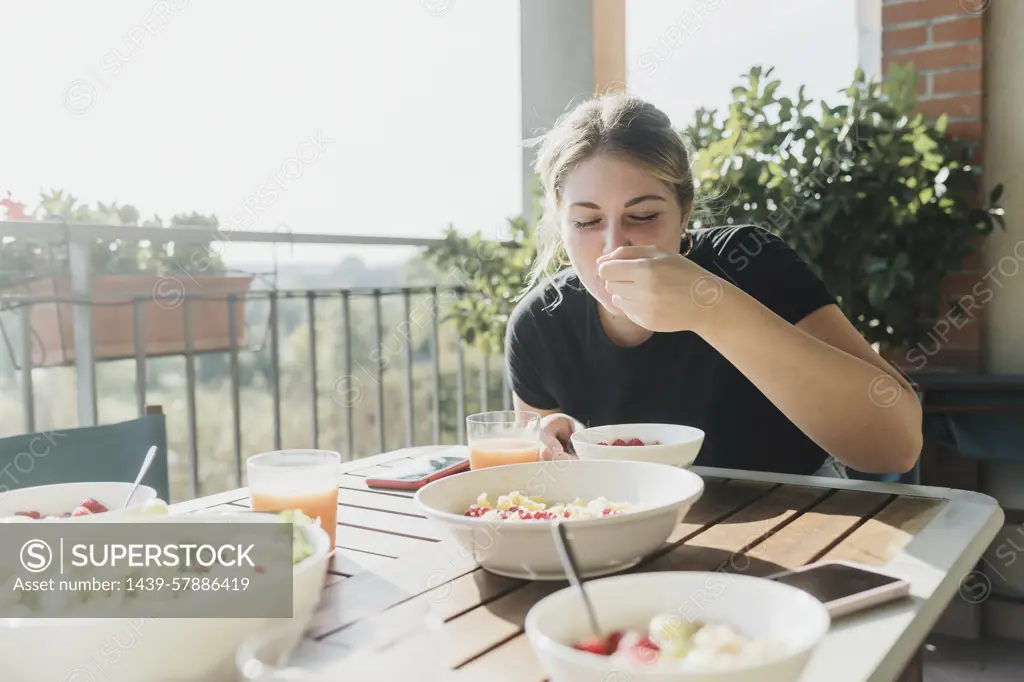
x: 941, y: 124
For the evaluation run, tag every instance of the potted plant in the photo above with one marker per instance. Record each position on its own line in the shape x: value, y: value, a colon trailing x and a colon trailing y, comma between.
x: 158, y: 275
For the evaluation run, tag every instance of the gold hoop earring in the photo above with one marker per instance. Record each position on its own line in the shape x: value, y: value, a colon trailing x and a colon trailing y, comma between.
x: 689, y: 243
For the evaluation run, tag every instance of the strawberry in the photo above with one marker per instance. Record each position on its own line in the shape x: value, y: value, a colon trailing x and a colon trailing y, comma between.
x: 94, y: 506
x: 30, y: 514
x: 594, y: 645
x: 619, y: 442
x: 81, y: 511
x: 635, y: 441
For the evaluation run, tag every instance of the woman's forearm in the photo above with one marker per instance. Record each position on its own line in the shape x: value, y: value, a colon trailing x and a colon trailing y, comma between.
x: 860, y: 415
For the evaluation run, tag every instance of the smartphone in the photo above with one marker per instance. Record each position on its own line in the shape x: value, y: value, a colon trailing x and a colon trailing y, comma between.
x: 420, y: 471
x: 844, y: 587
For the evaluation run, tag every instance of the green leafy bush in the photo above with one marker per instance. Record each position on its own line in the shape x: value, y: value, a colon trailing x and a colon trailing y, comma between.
x: 881, y: 203
x: 492, y: 273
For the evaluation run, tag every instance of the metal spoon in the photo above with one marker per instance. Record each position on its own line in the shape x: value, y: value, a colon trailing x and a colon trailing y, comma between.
x: 572, y: 571
x: 142, y: 472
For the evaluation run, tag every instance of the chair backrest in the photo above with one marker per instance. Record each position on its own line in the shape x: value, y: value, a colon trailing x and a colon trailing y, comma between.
x: 110, y: 452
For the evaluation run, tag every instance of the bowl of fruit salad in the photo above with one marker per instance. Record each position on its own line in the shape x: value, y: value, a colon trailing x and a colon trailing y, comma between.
x: 619, y: 512
x: 74, y: 501
x: 85, y: 646
x: 673, y: 444
x: 678, y: 626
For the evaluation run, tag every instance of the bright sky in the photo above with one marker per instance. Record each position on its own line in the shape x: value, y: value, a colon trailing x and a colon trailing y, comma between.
x: 420, y: 98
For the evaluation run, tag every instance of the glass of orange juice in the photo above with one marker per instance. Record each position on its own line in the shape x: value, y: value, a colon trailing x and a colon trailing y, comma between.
x: 508, y: 437
x: 306, y: 480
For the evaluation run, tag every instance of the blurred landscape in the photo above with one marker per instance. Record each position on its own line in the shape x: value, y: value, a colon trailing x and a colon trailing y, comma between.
x: 55, y: 388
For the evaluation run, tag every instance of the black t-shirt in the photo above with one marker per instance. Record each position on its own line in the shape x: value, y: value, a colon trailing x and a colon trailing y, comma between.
x: 562, y: 358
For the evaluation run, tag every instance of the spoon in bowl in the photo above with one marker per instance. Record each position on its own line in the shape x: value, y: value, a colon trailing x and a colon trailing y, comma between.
x: 142, y: 472
x: 571, y: 567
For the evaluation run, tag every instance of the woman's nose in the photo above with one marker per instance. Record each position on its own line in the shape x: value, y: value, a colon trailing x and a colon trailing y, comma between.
x: 615, y: 236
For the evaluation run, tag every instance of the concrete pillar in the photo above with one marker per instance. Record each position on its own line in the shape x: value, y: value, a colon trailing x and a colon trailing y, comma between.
x: 1004, y: 149
x: 869, y: 37
x: 570, y: 49
x: 556, y: 69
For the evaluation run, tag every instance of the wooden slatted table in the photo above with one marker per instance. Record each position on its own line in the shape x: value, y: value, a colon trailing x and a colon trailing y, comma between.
x: 389, y: 557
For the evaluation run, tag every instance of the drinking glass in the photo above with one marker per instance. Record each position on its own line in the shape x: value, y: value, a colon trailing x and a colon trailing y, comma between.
x: 306, y: 480
x: 506, y: 437
x: 403, y: 643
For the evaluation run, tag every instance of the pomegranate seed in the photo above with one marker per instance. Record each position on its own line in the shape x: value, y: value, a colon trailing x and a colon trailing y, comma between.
x: 565, y: 514
x: 606, y: 512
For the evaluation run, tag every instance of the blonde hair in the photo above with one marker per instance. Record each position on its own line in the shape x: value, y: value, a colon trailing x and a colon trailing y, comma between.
x: 617, y: 124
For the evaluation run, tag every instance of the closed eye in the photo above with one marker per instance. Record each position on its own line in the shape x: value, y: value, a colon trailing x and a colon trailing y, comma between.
x: 645, y: 218
x: 582, y: 226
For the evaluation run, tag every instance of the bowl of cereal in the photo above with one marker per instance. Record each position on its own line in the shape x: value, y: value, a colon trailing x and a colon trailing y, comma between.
x: 673, y: 444
x: 678, y: 626
x: 619, y: 513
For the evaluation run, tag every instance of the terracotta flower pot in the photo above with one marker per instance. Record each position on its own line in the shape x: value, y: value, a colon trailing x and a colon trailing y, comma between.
x: 161, y: 309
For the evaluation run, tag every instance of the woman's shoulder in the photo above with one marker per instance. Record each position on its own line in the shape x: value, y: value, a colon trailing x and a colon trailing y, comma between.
x: 733, y: 243
x: 762, y: 264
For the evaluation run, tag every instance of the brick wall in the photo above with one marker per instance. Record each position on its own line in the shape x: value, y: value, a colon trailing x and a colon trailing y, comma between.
x: 943, y: 39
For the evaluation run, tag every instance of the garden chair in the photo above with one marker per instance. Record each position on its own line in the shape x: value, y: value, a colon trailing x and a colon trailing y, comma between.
x: 110, y: 452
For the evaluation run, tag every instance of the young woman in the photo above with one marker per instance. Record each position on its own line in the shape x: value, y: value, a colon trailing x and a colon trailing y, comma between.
x: 724, y: 328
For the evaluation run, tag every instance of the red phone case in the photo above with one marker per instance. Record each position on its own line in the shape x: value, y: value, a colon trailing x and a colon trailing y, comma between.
x: 380, y: 482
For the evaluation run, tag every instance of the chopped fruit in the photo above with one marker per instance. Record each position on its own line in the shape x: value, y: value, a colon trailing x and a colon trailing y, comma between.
x: 596, y: 645
x: 94, y: 506
x: 518, y: 507
x: 632, y: 442
x: 84, y: 508
x: 667, y: 639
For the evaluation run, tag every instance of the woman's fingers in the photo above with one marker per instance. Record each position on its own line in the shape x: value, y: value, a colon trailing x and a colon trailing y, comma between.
x: 629, y: 253
x: 624, y: 290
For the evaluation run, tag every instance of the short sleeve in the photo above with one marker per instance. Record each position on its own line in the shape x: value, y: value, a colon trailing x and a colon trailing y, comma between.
x: 524, y: 359
x: 766, y: 267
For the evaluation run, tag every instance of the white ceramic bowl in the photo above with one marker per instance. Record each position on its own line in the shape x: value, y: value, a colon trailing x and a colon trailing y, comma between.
x: 58, y: 498
x: 526, y: 549
x: 753, y: 606
x: 678, y: 445
x: 154, y: 650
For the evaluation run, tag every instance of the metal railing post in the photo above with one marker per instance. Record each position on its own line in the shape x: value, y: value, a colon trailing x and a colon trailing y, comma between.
x: 79, y: 248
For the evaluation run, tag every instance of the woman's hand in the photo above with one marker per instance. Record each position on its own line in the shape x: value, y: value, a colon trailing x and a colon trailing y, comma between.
x: 659, y: 290
x: 555, y: 430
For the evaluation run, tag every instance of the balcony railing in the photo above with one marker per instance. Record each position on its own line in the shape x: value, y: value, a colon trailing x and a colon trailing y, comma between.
x: 360, y: 370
